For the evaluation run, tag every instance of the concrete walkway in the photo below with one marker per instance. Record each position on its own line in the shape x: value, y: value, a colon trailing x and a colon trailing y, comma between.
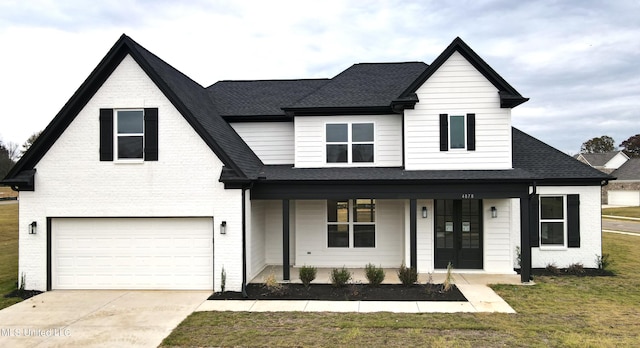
x: 473, y: 286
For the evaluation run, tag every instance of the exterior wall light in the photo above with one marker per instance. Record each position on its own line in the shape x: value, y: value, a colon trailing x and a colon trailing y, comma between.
x: 33, y: 228
x: 424, y: 212
x: 223, y: 227
x: 494, y: 212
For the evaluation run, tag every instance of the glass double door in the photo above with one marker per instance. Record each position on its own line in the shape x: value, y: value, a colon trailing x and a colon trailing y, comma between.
x: 458, y: 233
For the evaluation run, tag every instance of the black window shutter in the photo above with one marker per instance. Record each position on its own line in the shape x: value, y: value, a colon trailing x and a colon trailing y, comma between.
x: 106, y: 134
x: 471, y: 132
x: 151, y: 134
x: 573, y: 221
x: 444, y: 128
x: 534, y: 221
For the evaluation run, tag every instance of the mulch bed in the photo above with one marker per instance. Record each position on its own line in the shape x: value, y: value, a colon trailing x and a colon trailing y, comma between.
x: 586, y: 272
x: 352, y: 292
x: 24, y: 294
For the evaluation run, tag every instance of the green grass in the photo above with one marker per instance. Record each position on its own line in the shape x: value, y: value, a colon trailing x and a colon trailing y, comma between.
x: 624, y: 211
x: 564, y: 311
x: 8, y: 252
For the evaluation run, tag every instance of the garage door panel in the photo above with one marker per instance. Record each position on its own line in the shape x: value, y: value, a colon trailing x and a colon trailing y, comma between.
x: 132, y: 253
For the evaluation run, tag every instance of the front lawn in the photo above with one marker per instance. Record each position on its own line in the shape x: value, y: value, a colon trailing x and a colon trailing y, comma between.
x: 558, y: 311
x: 623, y: 211
x: 8, y: 252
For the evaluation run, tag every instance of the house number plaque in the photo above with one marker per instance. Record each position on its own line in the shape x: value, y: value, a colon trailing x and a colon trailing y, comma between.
x: 467, y: 196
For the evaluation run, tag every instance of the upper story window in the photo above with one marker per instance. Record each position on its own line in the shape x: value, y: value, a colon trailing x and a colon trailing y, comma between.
x: 350, y: 142
x: 457, y: 132
x: 553, y: 221
x: 130, y: 134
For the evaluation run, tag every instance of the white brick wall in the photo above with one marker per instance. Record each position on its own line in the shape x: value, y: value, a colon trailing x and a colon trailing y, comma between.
x: 72, y: 182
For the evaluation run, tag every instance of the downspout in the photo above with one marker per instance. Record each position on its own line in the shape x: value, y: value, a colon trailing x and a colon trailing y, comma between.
x: 244, y: 242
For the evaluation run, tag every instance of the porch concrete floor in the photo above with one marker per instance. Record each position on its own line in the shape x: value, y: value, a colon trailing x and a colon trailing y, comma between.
x: 391, y: 276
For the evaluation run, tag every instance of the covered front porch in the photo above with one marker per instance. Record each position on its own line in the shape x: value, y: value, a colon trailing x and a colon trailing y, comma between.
x: 391, y: 276
x: 477, y: 226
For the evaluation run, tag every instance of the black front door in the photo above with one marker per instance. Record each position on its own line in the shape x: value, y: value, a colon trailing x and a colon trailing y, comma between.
x: 458, y: 237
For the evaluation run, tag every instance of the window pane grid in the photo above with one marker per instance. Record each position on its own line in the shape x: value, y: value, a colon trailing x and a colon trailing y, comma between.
x: 350, y: 143
x: 552, y: 221
x: 130, y: 134
x: 351, y: 230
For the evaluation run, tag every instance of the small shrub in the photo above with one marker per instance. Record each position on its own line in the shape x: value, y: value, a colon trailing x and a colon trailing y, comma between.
x: 552, y: 268
x: 307, y: 275
x: 576, y: 268
x: 23, y: 282
x: 408, y: 276
x: 448, y: 280
x: 519, y: 257
x: 272, y: 284
x: 340, y: 277
x: 375, y: 275
x: 603, y: 261
x: 223, y: 279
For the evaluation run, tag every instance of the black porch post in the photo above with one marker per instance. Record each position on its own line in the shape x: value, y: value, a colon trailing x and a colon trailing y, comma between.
x: 285, y: 240
x: 525, y: 246
x: 413, y: 216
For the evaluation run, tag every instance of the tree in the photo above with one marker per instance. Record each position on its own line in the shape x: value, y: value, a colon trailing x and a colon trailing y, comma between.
x: 601, y: 144
x: 631, y: 146
x: 27, y: 144
x: 6, y: 163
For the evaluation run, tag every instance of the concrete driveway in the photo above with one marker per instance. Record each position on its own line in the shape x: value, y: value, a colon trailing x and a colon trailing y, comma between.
x: 96, y: 318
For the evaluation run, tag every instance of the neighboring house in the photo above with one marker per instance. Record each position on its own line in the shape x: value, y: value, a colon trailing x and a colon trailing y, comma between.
x: 625, y: 191
x: 606, y: 162
x: 147, y: 180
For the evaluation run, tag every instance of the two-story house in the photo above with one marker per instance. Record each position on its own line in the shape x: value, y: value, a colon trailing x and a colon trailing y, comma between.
x: 147, y: 180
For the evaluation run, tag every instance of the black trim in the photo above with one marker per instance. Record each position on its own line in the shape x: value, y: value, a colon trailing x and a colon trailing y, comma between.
x: 573, y: 221
x: 346, y: 110
x: 525, y: 247
x: 106, y: 134
x: 413, y: 234
x: 444, y: 130
x: 436, y: 190
x: 257, y: 118
x: 471, y: 132
x: 285, y: 240
x: 49, y: 255
x: 151, y: 134
x: 244, y: 246
x: 534, y: 221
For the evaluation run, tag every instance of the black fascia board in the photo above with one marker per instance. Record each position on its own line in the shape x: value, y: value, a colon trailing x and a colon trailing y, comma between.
x: 487, y: 71
x: 257, y: 118
x: 335, y: 111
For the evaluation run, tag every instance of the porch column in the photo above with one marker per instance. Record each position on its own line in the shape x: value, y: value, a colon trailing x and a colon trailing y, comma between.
x: 525, y: 246
x: 413, y: 233
x: 285, y: 240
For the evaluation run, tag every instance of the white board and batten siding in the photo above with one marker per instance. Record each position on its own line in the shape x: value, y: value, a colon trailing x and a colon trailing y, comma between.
x: 311, y: 237
x: 272, y: 142
x: 310, y: 144
x: 457, y: 88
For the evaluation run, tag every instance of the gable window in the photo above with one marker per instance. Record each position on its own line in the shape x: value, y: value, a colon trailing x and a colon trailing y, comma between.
x: 129, y: 134
x: 351, y: 223
x: 350, y: 142
x: 457, y: 132
x: 553, y: 221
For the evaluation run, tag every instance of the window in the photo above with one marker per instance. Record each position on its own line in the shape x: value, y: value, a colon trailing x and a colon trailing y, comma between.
x: 350, y: 143
x: 130, y: 134
x: 351, y: 223
x: 456, y: 132
x: 552, y: 221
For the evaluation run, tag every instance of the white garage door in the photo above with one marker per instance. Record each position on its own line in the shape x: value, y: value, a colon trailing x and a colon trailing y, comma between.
x: 132, y: 253
x: 625, y: 198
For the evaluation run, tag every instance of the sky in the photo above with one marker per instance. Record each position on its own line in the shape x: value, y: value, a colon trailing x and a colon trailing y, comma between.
x: 578, y: 61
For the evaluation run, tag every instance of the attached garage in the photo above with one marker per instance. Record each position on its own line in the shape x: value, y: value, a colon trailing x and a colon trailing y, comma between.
x: 131, y: 253
x: 624, y: 198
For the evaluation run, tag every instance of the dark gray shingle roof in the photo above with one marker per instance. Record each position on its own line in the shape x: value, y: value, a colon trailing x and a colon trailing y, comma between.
x: 630, y: 170
x: 364, y: 85
x: 260, y: 98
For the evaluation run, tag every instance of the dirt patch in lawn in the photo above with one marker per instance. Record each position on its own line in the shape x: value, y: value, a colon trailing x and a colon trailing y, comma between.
x: 353, y: 292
